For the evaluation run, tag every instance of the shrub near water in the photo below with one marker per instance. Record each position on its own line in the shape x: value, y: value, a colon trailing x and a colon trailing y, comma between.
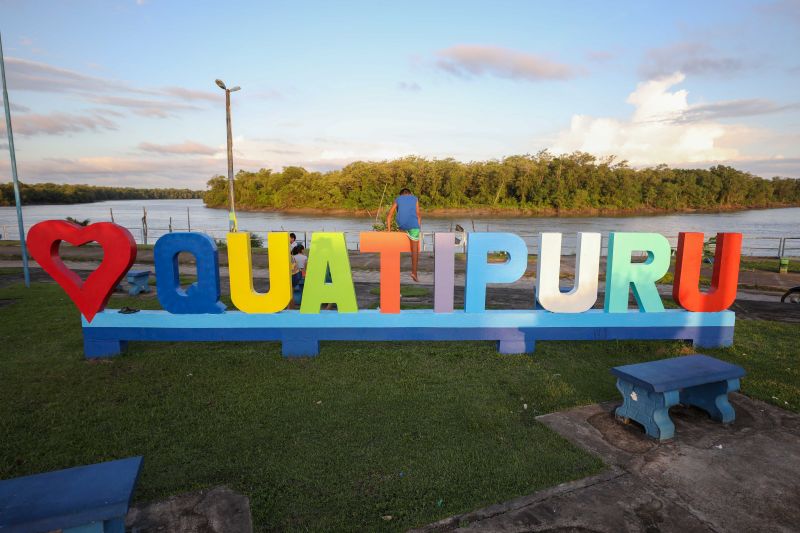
x: 540, y: 183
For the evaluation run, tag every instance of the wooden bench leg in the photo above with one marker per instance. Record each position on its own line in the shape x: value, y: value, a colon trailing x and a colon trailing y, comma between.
x: 650, y: 409
x: 713, y: 399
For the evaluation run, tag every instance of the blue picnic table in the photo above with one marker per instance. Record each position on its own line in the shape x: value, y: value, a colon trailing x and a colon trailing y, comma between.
x: 138, y: 280
x: 84, y: 499
x: 650, y: 389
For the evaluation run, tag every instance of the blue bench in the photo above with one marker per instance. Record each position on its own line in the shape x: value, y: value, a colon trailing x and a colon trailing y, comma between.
x: 138, y: 280
x: 84, y: 499
x: 650, y: 389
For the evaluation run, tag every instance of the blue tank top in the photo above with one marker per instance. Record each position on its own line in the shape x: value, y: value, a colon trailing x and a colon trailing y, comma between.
x: 407, y: 212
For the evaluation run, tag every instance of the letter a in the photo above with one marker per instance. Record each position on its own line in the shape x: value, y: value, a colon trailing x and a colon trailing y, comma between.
x: 328, y: 252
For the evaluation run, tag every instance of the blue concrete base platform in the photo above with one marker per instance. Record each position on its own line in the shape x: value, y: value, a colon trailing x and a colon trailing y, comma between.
x: 515, y: 331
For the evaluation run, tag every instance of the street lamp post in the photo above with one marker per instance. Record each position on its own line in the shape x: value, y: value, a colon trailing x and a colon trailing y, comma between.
x: 14, y: 177
x: 232, y: 225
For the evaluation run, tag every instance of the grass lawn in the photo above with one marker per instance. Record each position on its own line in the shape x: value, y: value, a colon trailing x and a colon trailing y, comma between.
x: 768, y: 264
x: 364, y: 432
x: 405, y: 290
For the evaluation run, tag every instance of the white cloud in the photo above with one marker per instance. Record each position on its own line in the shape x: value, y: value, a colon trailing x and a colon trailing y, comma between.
x: 57, y: 123
x: 737, y: 108
x: 600, y: 56
x: 664, y: 128
x: 184, y: 148
x: 695, y: 58
x: 466, y: 60
x: 34, y: 76
x: 158, y: 171
x: 315, y: 154
x: 409, y: 86
x: 193, y: 94
x: 27, y: 75
x: 143, y: 106
x: 191, y: 164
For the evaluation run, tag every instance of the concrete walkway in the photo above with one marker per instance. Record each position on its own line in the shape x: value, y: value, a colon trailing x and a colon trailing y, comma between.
x: 218, y: 510
x: 711, y: 477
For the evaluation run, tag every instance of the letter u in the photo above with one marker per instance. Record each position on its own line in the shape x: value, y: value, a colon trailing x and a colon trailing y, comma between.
x: 584, y: 293
x: 240, y: 266
x: 724, y: 280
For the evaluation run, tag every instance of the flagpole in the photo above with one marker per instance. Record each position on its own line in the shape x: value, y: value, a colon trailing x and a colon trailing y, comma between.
x: 14, y: 177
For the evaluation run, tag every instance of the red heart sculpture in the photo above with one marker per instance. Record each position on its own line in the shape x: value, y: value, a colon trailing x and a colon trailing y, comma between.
x: 119, y: 253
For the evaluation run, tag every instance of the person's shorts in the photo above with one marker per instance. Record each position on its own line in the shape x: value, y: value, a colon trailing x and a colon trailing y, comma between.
x: 413, y: 234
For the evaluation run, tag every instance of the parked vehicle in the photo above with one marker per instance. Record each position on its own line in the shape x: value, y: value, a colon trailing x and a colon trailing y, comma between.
x: 791, y: 296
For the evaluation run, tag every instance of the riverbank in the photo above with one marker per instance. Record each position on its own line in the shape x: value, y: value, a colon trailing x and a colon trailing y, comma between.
x: 479, y: 212
x: 69, y: 194
x: 763, y: 229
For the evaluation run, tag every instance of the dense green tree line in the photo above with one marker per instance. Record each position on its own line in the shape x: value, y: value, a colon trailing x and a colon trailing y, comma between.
x: 540, y: 183
x: 53, y: 193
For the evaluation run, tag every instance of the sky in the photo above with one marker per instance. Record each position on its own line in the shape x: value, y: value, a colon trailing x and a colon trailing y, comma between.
x: 121, y: 92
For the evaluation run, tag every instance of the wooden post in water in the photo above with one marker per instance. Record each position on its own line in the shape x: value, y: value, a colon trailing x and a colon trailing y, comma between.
x: 144, y: 225
x: 170, y: 224
x: 188, y: 220
x: 111, y: 210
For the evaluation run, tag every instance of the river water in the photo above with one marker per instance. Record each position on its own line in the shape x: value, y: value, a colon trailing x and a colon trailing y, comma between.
x: 762, y: 228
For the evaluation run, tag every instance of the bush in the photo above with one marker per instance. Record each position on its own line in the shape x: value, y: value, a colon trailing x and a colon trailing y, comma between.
x: 256, y: 241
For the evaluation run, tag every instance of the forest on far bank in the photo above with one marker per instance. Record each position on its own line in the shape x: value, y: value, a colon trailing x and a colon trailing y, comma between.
x: 56, y: 193
x: 541, y: 183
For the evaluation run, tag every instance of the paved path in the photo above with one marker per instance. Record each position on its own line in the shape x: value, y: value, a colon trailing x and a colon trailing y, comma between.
x: 742, y: 477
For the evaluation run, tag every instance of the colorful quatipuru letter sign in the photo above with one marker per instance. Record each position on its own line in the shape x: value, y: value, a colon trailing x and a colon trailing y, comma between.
x: 197, y: 314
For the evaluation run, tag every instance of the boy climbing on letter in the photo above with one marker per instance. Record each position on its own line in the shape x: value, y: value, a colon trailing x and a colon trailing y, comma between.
x: 408, y: 219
